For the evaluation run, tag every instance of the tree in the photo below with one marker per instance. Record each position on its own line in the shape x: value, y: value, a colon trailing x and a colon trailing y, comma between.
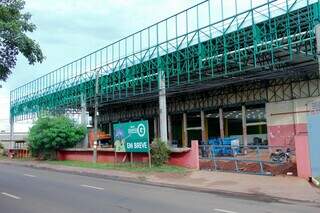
x: 49, y: 134
x: 14, y: 24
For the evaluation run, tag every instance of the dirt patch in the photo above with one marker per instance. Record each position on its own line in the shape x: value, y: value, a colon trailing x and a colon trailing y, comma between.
x: 249, y: 167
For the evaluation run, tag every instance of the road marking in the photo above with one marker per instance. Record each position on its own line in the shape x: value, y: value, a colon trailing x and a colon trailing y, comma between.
x: 10, y: 195
x: 92, y: 187
x: 28, y: 175
x: 224, y: 211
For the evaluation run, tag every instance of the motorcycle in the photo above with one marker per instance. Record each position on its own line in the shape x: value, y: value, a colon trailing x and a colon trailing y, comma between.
x: 279, y: 156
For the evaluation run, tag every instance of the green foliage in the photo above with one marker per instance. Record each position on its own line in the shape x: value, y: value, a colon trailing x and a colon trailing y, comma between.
x: 2, y: 150
x: 159, y: 152
x: 50, y: 134
x: 14, y: 27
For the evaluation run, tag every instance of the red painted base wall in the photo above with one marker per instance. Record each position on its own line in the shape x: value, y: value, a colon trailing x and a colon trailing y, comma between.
x: 189, y: 159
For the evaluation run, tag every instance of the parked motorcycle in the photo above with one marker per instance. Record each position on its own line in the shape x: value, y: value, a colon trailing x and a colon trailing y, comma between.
x: 279, y: 156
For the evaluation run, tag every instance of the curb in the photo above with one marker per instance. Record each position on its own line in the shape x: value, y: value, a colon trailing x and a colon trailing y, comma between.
x: 315, y: 182
x: 228, y: 194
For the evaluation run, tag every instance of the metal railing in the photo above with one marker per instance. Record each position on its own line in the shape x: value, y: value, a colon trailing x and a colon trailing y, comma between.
x: 257, y: 159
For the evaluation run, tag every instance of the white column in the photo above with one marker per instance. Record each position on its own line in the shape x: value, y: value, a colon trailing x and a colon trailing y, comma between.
x: 163, y: 107
x: 221, y: 123
x: 95, y: 121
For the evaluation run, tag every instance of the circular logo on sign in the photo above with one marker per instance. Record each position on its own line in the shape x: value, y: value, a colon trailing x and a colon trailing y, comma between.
x: 141, y: 130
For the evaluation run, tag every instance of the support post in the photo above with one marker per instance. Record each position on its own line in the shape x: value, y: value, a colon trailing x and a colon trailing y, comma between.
x: 110, y: 129
x: 11, y: 123
x: 221, y: 123
x: 169, y: 130
x: 244, y: 129
x: 163, y: 107
x: 203, y: 127
x: 96, y: 117
x: 84, y: 119
x: 11, y: 131
x: 185, y: 131
x: 155, y: 127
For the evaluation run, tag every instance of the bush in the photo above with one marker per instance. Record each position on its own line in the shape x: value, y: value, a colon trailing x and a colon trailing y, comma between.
x: 2, y: 150
x: 159, y: 152
x: 49, y: 134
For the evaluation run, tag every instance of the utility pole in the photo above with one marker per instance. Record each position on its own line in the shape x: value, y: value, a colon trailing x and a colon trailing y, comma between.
x: 95, y: 124
x: 11, y: 123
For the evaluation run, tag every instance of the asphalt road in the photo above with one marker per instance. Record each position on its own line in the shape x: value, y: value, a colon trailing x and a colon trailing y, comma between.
x: 30, y: 190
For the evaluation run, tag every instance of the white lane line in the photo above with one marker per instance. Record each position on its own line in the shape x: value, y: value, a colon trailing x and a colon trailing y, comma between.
x: 92, y: 187
x: 224, y: 211
x: 28, y: 175
x: 10, y: 195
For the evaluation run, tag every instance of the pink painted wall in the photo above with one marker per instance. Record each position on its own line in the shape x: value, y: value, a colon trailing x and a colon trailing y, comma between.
x: 283, y: 135
x: 302, y: 156
x: 189, y: 159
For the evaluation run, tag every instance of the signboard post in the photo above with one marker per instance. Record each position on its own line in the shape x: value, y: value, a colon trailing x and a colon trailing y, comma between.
x: 132, y: 137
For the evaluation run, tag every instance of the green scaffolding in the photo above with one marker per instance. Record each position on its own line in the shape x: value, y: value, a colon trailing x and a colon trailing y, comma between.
x: 189, y: 48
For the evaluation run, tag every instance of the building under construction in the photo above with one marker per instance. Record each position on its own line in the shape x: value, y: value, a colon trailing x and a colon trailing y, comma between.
x: 248, y: 70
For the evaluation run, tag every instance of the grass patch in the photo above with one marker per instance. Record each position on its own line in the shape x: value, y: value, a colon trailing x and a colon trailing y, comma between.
x: 135, y: 167
x: 3, y: 157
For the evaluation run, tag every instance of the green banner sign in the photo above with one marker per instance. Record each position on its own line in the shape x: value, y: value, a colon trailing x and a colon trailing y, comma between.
x: 131, y: 136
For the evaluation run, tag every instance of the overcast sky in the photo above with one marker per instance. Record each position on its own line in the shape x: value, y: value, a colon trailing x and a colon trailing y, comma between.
x: 67, y: 30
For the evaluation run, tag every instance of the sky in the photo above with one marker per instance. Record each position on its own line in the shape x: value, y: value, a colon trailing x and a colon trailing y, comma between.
x: 67, y: 30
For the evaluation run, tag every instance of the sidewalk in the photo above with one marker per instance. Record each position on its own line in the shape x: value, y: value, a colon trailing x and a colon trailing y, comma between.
x: 278, y: 188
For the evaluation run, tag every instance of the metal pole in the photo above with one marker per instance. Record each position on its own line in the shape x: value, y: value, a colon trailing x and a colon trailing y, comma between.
x: 96, y: 117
